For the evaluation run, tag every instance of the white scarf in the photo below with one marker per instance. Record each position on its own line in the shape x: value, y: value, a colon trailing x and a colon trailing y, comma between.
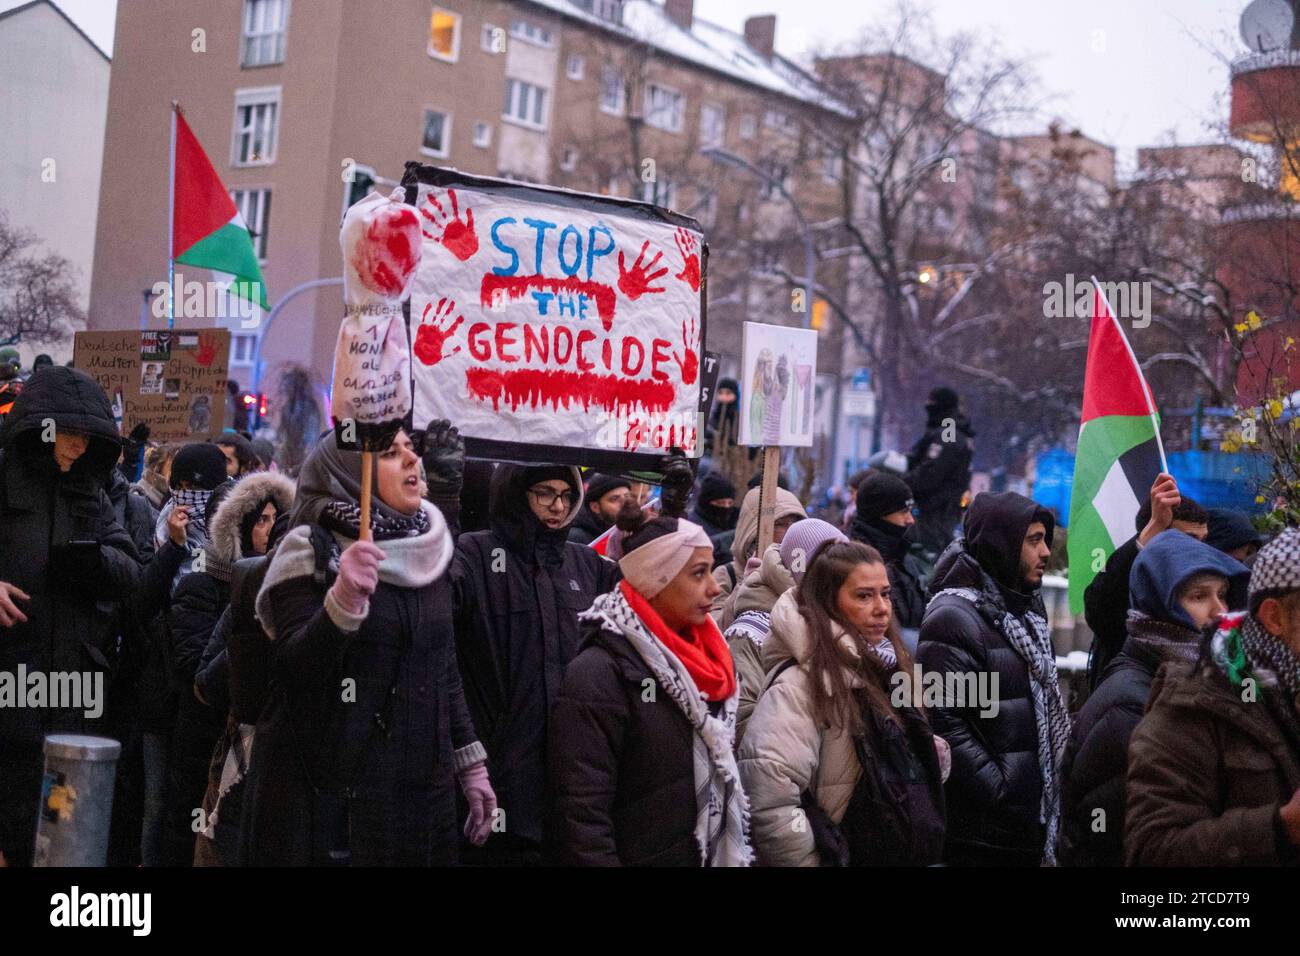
x: 722, y: 810
x: 408, y: 562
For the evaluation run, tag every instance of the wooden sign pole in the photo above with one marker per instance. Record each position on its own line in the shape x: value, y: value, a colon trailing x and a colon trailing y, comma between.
x: 767, y: 497
x: 366, y: 457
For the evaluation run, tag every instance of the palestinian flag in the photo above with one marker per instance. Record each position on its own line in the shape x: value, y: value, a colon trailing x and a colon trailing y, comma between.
x: 1118, y: 456
x: 207, y: 230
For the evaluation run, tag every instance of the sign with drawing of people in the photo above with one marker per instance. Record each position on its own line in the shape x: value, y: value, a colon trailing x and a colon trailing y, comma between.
x: 778, y: 368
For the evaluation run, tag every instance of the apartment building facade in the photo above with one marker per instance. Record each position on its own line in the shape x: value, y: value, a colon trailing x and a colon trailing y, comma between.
x: 289, y: 97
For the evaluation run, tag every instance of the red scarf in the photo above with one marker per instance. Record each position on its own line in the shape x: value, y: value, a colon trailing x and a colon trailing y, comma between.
x: 706, y: 656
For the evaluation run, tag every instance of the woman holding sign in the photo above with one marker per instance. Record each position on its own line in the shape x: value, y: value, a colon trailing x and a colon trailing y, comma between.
x: 641, y: 764
x: 357, y: 755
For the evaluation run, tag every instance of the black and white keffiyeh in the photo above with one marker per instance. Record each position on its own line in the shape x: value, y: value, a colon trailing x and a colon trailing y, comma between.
x: 1051, y: 719
x: 722, y: 811
x: 345, y: 518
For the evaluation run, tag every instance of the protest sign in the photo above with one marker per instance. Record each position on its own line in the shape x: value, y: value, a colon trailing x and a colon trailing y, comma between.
x: 779, y: 366
x: 172, y: 379
x: 553, y: 325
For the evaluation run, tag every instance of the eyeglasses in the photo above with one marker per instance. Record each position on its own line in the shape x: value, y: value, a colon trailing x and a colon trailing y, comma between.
x: 546, y: 497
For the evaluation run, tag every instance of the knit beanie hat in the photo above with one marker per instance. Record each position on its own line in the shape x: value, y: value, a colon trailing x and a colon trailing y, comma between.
x: 801, y: 541
x: 200, y: 463
x: 1276, y: 569
x: 715, y: 485
x: 1230, y: 528
x: 598, y: 486
x: 882, y: 494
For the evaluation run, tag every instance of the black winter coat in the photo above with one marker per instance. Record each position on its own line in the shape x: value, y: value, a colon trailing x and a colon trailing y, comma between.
x: 995, y: 789
x: 1096, y: 761
x: 518, y: 591
x: 938, y: 472
x: 586, y: 527
x: 71, y: 624
x: 621, y: 769
x: 1105, y: 608
x: 396, y: 744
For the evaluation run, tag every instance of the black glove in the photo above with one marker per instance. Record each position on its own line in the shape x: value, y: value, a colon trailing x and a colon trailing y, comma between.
x: 77, y: 563
x: 443, y: 452
x: 678, y: 479
x: 140, y: 434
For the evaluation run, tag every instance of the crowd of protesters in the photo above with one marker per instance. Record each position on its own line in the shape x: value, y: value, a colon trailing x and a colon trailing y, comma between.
x: 525, y: 664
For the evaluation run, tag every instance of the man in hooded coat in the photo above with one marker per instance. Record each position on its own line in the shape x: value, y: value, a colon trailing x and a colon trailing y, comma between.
x: 519, y: 587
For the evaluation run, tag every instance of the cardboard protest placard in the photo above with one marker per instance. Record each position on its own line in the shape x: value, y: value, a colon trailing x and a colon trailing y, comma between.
x: 173, y: 379
x: 554, y: 325
x: 779, y: 366
x: 371, y: 392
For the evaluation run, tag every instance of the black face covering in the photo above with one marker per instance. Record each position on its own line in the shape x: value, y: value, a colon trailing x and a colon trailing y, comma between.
x: 891, y: 540
x: 724, y: 518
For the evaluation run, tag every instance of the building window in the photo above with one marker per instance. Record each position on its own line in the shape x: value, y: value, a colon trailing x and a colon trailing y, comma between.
x: 257, y: 121
x: 775, y: 119
x: 492, y: 39
x: 613, y: 186
x: 778, y: 178
x: 569, y: 159
x: 706, y: 210
x: 444, y: 35
x: 713, y: 124
x: 613, y: 92
x: 576, y: 66
x: 437, y: 133
x: 483, y: 135
x: 664, y: 107
x: 832, y: 165
x: 531, y: 33
x: 748, y: 126
x: 661, y: 192
x: 265, y: 23
x: 525, y: 104
x: 254, y: 207
x: 243, y: 347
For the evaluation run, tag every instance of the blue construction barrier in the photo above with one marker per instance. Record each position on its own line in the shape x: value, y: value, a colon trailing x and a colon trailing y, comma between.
x: 1215, y: 479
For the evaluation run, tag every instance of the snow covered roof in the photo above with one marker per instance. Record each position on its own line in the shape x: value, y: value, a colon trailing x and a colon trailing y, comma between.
x: 708, y: 45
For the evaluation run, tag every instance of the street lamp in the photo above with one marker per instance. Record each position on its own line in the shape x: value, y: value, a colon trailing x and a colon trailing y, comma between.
x: 726, y: 158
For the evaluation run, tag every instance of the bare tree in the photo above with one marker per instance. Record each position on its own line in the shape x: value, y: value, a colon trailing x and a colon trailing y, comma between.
x: 38, y: 298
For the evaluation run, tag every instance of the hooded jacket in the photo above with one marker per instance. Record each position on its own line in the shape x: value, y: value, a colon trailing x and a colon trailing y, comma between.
x: 759, y: 592
x: 938, y: 472
x: 905, y: 574
x: 199, y: 620
x: 518, y: 590
x: 1097, y: 758
x: 1208, y: 771
x: 71, y: 626
x: 587, y: 526
x: 730, y: 576
x: 995, y: 789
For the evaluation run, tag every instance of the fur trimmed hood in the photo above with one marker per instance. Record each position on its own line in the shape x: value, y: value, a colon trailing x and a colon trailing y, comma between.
x: 249, y: 492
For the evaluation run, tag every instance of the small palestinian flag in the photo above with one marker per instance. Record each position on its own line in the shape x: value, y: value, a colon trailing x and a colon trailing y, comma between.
x: 207, y: 230
x: 1118, y: 455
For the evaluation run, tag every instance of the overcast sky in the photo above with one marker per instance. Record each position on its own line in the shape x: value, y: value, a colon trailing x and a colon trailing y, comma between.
x: 1160, y: 70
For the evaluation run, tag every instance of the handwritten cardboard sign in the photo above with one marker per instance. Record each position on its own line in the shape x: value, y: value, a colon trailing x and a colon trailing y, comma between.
x: 175, y: 379
x: 553, y: 324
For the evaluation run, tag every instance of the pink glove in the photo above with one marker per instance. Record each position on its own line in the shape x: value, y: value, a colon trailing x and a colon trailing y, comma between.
x: 358, y: 576
x: 945, y: 757
x: 482, y: 803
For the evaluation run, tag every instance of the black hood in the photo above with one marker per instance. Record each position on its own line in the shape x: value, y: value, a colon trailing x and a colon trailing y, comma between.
x: 995, y: 527
x: 935, y: 419
x: 891, y: 540
x: 512, y: 519
x: 72, y: 400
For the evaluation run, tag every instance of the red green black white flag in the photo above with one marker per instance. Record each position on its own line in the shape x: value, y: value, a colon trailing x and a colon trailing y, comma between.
x: 1119, y: 452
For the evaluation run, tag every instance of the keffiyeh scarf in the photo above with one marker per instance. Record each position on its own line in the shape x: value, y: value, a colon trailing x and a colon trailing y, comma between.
x: 345, y: 518
x: 722, y: 811
x: 1051, y: 719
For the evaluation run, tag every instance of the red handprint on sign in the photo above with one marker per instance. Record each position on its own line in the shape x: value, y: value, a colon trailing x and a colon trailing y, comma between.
x: 691, y: 261
x: 690, y: 365
x: 431, y: 337
x: 635, y: 282
x: 457, y: 234
x: 207, y: 351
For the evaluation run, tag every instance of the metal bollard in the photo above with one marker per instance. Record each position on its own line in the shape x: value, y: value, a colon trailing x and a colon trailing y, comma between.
x: 76, y: 800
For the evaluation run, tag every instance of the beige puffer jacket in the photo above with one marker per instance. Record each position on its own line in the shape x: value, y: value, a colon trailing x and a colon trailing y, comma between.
x: 784, y: 752
x: 746, y: 535
x: 758, y: 592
